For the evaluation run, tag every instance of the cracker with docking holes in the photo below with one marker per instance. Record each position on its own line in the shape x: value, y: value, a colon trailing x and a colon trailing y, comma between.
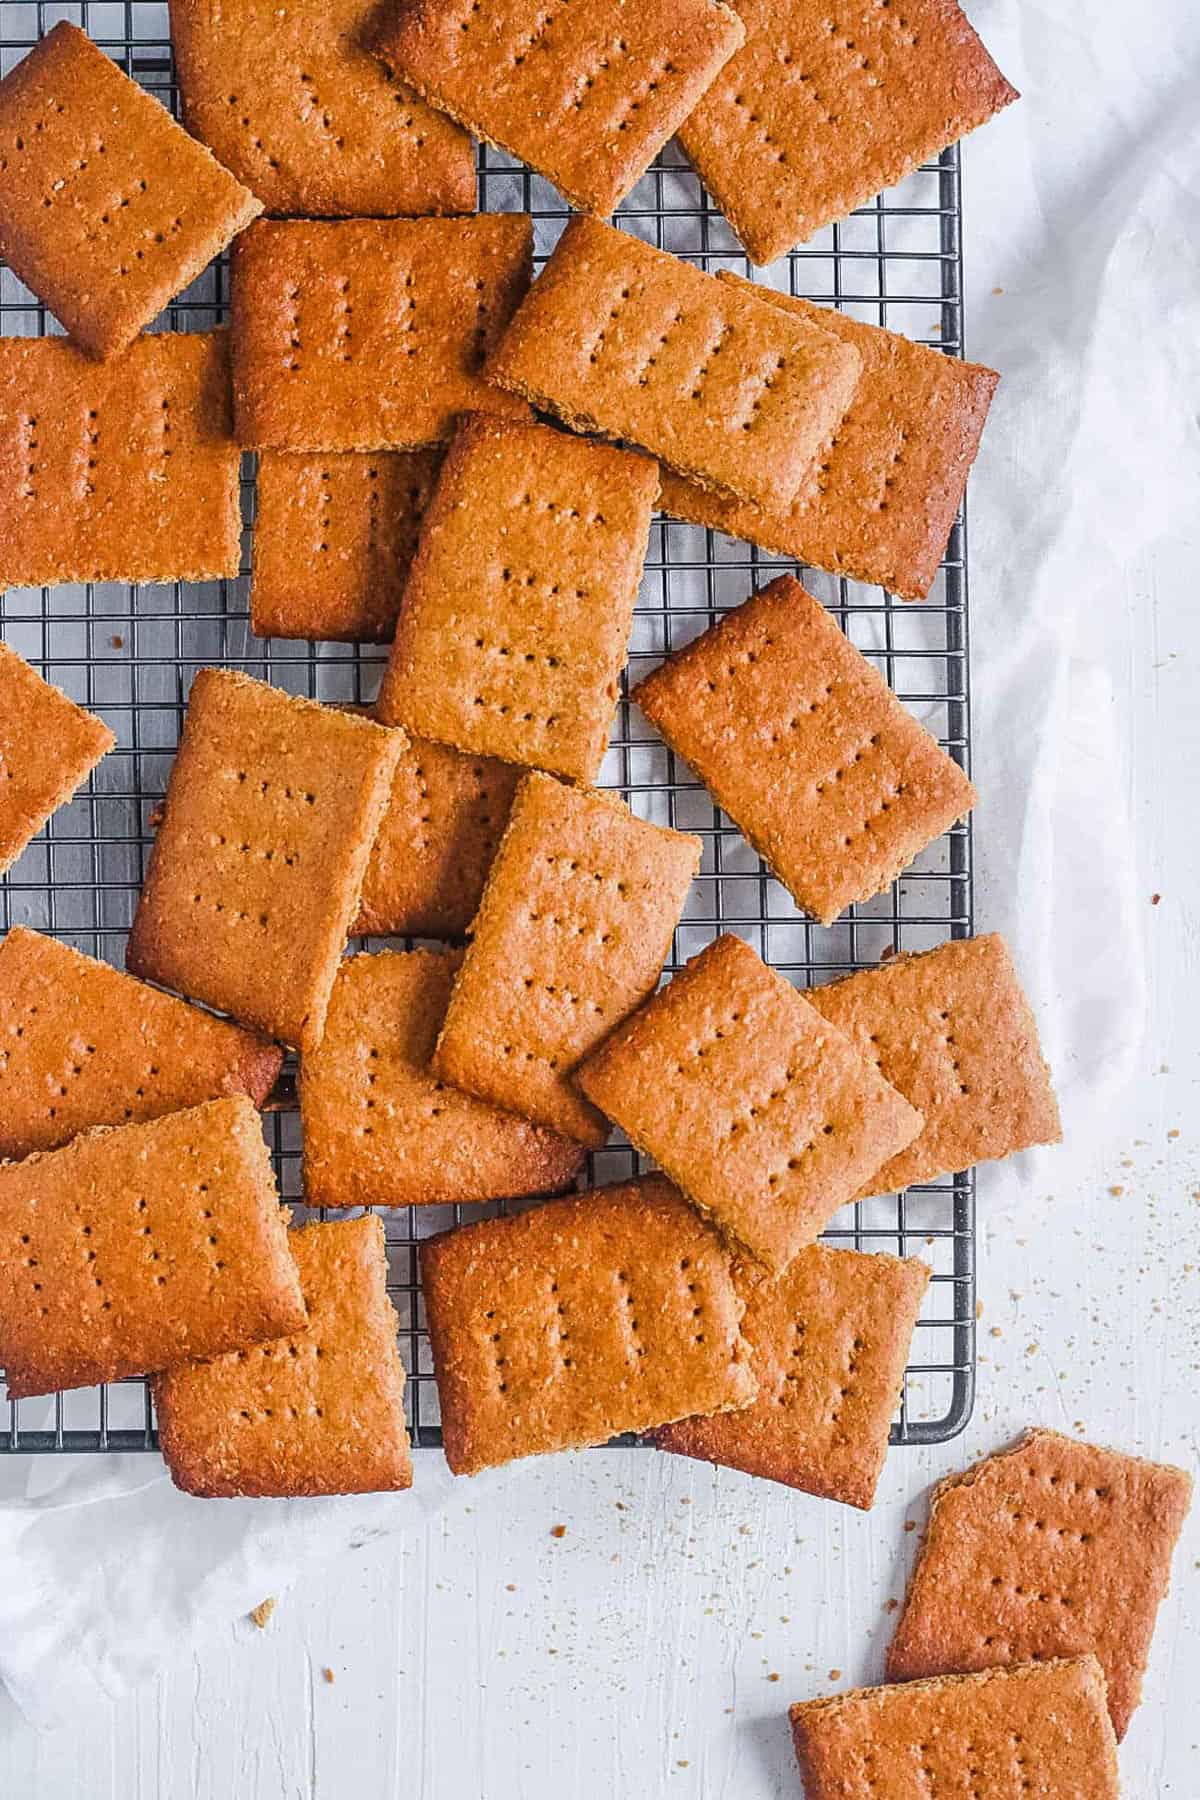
x: 320, y: 1412
x: 829, y: 1339
x: 290, y: 99
x: 587, y: 98
x: 573, y: 929
x: 612, y: 1310
x: 1055, y: 1548
x: 519, y: 605
x: 108, y: 209
x: 84, y: 1044
x: 804, y: 745
x: 119, y: 471
x: 879, y: 503
x: 134, y: 1247
x: 254, y: 881
x: 764, y: 1115
x: 819, y: 110
x: 380, y: 1128
x: 48, y: 748
x: 621, y: 338
x: 1040, y: 1730
x: 370, y: 334
x: 952, y: 1030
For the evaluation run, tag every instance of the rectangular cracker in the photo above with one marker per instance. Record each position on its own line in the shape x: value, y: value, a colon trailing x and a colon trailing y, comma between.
x: 799, y: 738
x: 253, y: 883
x: 518, y: 609
x: 124, y: 471
x: 586, y: 97
x: 134, y: 1247
x: 821, y: 109
x: 620, y: 338
x: 1039, y: 1730
x: 766, y: 1117
x: 380, y: 1129
x: 370, y: 334
x: 828, y: 1343
x: 1054, y: 1548
x: 334, y: 539
x: 48, y: 748
x: 573, y: 929
x: 320, y: 1412
x: 609, y: 1311
x: 292, y: 102
x: 879, y: 503
x: 108, y: 209
x: 952, y: 1030
x: 81, y: 1044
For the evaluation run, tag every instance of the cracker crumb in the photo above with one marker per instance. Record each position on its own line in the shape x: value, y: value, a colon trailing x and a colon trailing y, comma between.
x: 997, y: 290
x: 910, y: 1524
x: 772, y: 1676
x: 328, y: 1676
x: 117, y: 642
x: 1173, y: 1134
x: 996, y: 1331
x: 1154, y: 899
x: 262, y: 1612
x: 1116, y: 1192
x: 835, y: 1674
x: 889, y: 1606
x: 979, y: 1309
x: 558, y: 1531
x: 510, y: 1587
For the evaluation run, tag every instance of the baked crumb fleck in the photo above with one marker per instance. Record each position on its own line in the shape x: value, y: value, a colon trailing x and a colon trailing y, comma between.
x: 261, y: 1613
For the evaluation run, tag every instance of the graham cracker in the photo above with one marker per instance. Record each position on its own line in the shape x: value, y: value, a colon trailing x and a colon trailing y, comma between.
x: 573, y: 929
x: 804, y: 745
x: 134, y: 1247
x: 1039, y: 1731
x: 48, y: 748
x: 952, y: 1030
x: 293, y: 103
x: 108, y: 209
x: 380, y: 1129
x: 82, y: 1044
x: 435, y: 843
x: 519, y: 605
x: 122, y: 471
x: 609, y: 1311
x: 765, y: 1116
x: 320, y: 1412
x: 828, y: 1343
x: 334, y: 539
x: 588, y: 99
x: 370, y: 334
x: 879, y: 503
x: 253, y: 883
x: 1053, y: 1549
x: 820, y: 110
x: 622, y: 339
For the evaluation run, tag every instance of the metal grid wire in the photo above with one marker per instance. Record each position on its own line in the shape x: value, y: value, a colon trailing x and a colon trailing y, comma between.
x: 130, y: 654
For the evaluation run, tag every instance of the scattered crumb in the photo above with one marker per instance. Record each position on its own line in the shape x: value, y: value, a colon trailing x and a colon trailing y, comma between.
x: 997, y: 290
x: 996, y: 1331
x: 1116, y: 1192
x: 328, y: 1676
x: 1031, y: 1349
x: 835, y: 1674
x: 889, y: 1606
x: 910, y: 1524
x: 772, y: 1676
x: 510, y: 1587
x: 558, y: 1531
x: 1173, y: 1134
x: 262, y: 1612
x: 682, y: 1763
x: 621, y: 1506
x: 1154, y: 899
x: 118, y: 643
x: 979, y: 1309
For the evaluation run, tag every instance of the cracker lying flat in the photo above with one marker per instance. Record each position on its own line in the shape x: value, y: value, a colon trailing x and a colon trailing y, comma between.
x: 820, y: 109
x: 370, y: 334
x: 82, y: 1044
x: 610, y: 1311
x: 620, y: 338
x: 828, y: 1343
x: 572, y: 931
x: 321, y: 1412
x: 953, y: 1031
x: 132, y: 1248
x: 334, y: 537
x: 588, y: 98
x: 1055, y: 1548
x: 48, y: 747
x: 435, y: 843
x: 253, y: 884
x: 290, y: 100
x: 801, y: 741
x: 518, y: 609
x: 125, y: 471
x: 1039, y: 1731
x: 764, y: 1115
x: 380, y: 1129
x: 879, y: 503
x: 108, y: 209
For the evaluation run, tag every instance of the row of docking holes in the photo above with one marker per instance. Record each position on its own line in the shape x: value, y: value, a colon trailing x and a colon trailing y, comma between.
x: 694, y: 382
x: 786, y: 1389
x: 284, y: 1353
x: 562, y: 1337
x: 145, y: 1231
x: 434, y: 1110
x: 29, y: 432
x: 417, y: 496
x: 342, y: 347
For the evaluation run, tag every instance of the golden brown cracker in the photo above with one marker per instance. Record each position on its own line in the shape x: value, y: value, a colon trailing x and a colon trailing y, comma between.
x: 48, y: 748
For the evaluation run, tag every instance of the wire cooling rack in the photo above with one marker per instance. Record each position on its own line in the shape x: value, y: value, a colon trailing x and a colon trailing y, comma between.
x: 130, y: 653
